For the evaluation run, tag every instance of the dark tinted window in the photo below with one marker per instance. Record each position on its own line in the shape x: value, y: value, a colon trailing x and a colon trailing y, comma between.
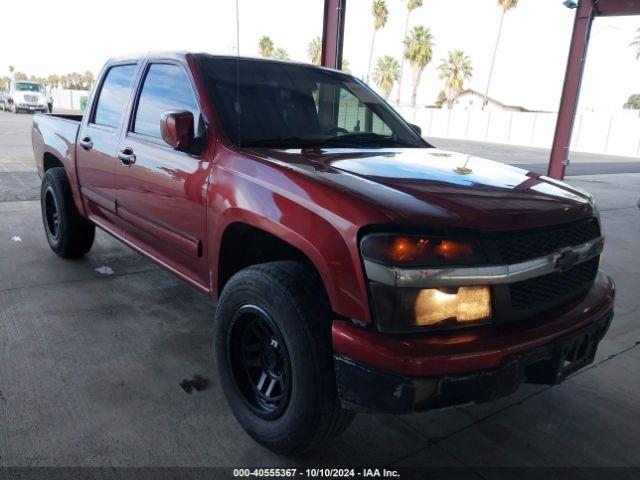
x: 114, y: 95
x: 283, y: 105
x: 166, y: 87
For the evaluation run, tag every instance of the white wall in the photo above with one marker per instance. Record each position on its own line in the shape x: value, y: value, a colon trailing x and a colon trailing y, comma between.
x: 617, y: 134
x: 68, y: 99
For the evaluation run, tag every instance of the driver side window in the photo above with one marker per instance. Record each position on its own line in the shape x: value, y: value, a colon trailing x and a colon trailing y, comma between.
x: 166, y: 87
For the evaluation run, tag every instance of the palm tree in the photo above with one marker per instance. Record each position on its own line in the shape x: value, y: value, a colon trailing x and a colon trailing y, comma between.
x: 387, y: 72
x: 53, y: 80
x: 455, y: 69
x: 505, y: 5
x: 418, y: 49
x: 88, y: 79
x: 633, y: 103
x: 636, y: 43
x: 281, y: 54
x: 265, y: 46
x: 380, y: 17
x: 314, y: 51
x: 411, y: 6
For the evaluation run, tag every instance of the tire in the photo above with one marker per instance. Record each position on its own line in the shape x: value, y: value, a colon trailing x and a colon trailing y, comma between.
x: 14, y: 109
x: 69, y: 234
x: 286, y: 300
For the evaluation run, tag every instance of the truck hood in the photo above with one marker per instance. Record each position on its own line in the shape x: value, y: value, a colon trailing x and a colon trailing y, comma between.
x: 427, y: 184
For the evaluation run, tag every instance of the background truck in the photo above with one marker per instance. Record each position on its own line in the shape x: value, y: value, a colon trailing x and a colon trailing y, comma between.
x: 355, y: 267
x: 26, y: 97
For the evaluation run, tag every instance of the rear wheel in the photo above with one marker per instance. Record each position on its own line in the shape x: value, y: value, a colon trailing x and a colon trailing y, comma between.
x: 272, y: 337
x: 69, y: 234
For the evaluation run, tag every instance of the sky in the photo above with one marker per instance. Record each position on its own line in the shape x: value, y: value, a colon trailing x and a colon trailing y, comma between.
x: 74, y: 35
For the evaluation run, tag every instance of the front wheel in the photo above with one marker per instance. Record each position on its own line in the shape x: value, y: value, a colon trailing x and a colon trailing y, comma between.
x: 272, y: 337
x: 69, y: 234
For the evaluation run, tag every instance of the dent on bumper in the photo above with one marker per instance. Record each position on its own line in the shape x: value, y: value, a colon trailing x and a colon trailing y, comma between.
x: 472, y: 349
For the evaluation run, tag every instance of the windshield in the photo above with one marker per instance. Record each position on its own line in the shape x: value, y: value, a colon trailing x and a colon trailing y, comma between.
x: 279, y: 105
x: 27, y: 87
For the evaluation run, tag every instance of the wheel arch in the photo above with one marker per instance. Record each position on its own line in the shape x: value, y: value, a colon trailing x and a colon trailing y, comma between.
x: 244, y: 242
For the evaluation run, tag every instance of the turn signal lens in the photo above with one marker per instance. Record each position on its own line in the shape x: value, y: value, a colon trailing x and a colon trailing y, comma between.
x: 457, y: 306
x: 419, y: 251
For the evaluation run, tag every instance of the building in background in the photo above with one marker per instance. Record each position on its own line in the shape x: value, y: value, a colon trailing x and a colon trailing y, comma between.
x: 470, y: 99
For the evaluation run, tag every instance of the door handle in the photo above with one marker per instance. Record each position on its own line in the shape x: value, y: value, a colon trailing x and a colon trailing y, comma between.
x: 86, y: 143
x: 127, y: 157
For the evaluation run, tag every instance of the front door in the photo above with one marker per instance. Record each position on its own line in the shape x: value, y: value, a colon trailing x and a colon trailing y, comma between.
x: 98, y: 143
x: 162, y: 191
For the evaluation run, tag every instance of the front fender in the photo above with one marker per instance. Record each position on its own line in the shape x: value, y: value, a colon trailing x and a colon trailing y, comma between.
x: 329, y: 242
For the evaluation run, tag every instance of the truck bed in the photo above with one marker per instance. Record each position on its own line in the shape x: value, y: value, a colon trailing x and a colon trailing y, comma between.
x: 56, y: 134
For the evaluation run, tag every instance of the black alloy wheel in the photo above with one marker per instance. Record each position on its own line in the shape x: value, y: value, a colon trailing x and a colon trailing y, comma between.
x: 260, y: 362
x: 51, y: 214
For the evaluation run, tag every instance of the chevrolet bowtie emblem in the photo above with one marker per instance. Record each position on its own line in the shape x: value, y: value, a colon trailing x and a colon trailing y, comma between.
x: 567, y: 260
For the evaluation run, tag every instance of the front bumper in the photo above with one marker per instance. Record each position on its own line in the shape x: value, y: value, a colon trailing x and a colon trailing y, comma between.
x: 402, y: 374
x: 31, y: 107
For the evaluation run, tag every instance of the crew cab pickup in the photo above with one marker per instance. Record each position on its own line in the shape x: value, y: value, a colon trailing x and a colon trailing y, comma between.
x: 356, y: 268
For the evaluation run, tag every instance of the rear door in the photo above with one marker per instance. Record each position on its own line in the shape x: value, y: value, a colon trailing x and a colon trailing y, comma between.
x: 97, y: 147
x: 161, y: 191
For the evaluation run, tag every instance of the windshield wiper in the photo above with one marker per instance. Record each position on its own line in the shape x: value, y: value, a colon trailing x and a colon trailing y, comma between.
x: 282, y: 142
x: 363, y: 138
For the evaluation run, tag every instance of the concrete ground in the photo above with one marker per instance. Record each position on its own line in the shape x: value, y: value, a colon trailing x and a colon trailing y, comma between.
x: 91, y: 363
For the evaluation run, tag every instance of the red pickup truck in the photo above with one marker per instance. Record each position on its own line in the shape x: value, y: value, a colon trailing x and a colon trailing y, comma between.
x: 355, y: 266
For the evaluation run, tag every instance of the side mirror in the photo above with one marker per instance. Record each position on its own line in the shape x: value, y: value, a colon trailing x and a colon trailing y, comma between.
x: 176, y: 128
x: 416, y: 128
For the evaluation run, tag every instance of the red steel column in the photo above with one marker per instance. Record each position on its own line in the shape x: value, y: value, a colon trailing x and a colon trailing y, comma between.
x: 333, y: 33
x: 571, y: 90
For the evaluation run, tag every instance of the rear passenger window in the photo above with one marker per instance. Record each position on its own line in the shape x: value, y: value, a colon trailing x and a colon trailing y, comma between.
x: 166, y: 87
x: 114, y: 96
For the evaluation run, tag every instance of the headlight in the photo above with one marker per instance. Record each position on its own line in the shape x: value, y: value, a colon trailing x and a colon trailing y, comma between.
x: 405, y: 309
x: 415, y: 309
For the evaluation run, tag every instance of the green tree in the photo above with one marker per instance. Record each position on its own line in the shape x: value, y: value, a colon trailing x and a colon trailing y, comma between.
x: 411, y: 6
x: 280, y: 54
x: 454, y: 70
x: 87, y: 80
x: 380, y: 16
x: 53, y: 80
x: 20, y: 76
x: 442, y: 97
x: 265, y: 46
x: 418, y: 49
x: 633, y: 103
x: 387, y: 72
x: 505, y: 6
x: 346, y: 66
x: 314, y: 51
x: 4, y: 83
x: 636, y: 43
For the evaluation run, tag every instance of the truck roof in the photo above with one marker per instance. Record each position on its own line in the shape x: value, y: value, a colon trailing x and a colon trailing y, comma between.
x: 183, y: 54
